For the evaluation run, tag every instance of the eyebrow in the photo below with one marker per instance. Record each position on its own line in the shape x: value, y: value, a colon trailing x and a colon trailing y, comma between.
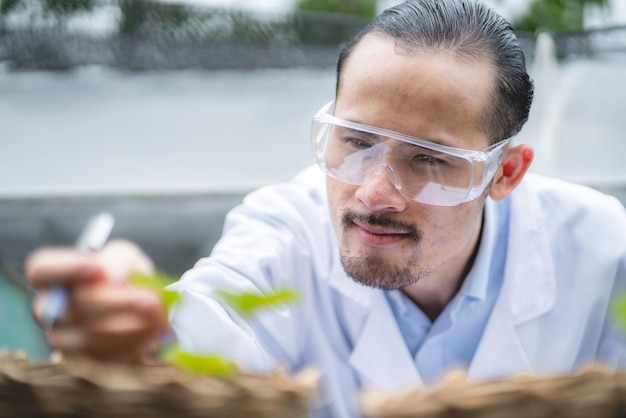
x: 377, y: 136
x: 363, y: 133
x: 403, y: 145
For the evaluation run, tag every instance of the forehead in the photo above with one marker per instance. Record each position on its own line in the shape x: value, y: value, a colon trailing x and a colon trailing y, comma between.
x: 434, y: 95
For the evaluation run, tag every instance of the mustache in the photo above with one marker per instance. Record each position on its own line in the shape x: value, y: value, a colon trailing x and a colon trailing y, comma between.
x: 349, y: 218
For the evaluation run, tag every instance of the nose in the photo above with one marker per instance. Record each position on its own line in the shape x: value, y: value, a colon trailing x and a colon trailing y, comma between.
x: 381, y: 191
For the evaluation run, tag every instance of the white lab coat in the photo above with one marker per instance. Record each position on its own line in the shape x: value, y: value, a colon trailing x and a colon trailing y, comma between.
x: 566, y: 258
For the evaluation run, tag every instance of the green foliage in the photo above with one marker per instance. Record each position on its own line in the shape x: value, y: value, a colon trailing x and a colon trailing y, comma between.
x: 367, y: 8
x: 154, y: 18
x: 245, y: 28
x: 60, y: 9
x: 138, y: 17
x: 247, y: 304
x: 157, y: 282
x: 556, y: 15
x: 322, y: 28
x: 215, y: 366
x: 66, y: 7
x: 133, y: 15
x: 7, y: 6
x: 619, y: 311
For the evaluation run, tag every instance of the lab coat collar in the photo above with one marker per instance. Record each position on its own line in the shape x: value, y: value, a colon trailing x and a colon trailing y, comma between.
x: 379, y: 357
x: 528, y: 291
x: 530, y: 280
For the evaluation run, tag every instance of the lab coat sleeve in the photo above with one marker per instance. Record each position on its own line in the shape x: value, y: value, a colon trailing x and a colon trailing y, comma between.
x: 274, y: 240
x: 612, y: 349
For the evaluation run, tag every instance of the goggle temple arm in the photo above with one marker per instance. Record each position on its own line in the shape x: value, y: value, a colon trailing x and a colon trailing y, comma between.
x: 496, y: 156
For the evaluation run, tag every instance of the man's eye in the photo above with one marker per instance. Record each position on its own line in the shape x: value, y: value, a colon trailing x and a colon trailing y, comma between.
x: 428, y: 159
x: 356, y: 142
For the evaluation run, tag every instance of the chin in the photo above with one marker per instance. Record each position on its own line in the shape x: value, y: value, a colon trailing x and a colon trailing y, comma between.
x: 375, y: 271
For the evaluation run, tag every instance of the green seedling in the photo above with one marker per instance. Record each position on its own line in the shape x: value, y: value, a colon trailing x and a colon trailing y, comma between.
x: 619, y: 310
x: 157, y: 282
x: 246, y: 304
x: 211, y: 365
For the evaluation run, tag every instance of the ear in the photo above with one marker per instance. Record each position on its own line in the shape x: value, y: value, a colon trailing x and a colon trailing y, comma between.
x: 514, y: 166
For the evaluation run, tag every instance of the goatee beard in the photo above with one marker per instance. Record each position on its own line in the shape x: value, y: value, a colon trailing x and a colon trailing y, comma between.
x: 374, y: 271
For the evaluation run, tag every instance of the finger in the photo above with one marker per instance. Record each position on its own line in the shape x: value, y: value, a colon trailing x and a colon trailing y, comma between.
x: 41, y: 304
x: 91, y: 303
x: 60, y: 266
x: 121, y: 259
x: 67, y: 266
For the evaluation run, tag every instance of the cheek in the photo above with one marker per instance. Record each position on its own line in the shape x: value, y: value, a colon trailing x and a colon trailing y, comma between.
x: 448, y: 228
x: 338, y: 195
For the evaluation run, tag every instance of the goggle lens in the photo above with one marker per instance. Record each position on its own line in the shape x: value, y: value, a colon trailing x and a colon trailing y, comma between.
x: 421, y: 173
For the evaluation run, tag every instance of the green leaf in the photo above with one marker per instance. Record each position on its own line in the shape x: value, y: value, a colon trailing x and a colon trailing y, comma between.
x: 211, y: 365
x: 248, y: 303
x: 619, y: 310
x: 157, y: 282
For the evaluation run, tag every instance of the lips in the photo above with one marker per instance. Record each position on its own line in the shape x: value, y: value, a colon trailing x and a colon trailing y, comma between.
x: 378, y: 230
x: 377, y: 236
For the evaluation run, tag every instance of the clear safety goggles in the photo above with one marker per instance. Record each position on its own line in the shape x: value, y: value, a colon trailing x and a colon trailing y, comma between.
x: 421, y: 170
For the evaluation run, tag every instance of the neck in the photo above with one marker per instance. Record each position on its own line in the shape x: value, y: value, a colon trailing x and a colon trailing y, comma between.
x: 433, y: 293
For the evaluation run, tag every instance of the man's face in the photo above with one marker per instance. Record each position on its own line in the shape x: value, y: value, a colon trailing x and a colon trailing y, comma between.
x: 385, y: 239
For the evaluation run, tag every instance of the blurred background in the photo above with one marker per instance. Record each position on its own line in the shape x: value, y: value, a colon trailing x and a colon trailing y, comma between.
x: 166, y: 113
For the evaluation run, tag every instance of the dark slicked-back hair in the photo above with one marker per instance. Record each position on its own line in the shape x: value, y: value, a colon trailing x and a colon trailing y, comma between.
x: 471, y: 30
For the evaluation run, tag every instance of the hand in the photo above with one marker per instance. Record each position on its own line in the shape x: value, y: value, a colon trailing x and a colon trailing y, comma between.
x: 108, y: 318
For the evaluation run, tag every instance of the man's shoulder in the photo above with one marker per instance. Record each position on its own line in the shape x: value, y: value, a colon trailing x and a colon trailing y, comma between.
x: 298, y: 204
x: 567, y: 197
x: 573, y: 216
x: 308, y: 184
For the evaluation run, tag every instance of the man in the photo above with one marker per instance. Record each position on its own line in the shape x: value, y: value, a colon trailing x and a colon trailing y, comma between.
x: 420, y: 247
